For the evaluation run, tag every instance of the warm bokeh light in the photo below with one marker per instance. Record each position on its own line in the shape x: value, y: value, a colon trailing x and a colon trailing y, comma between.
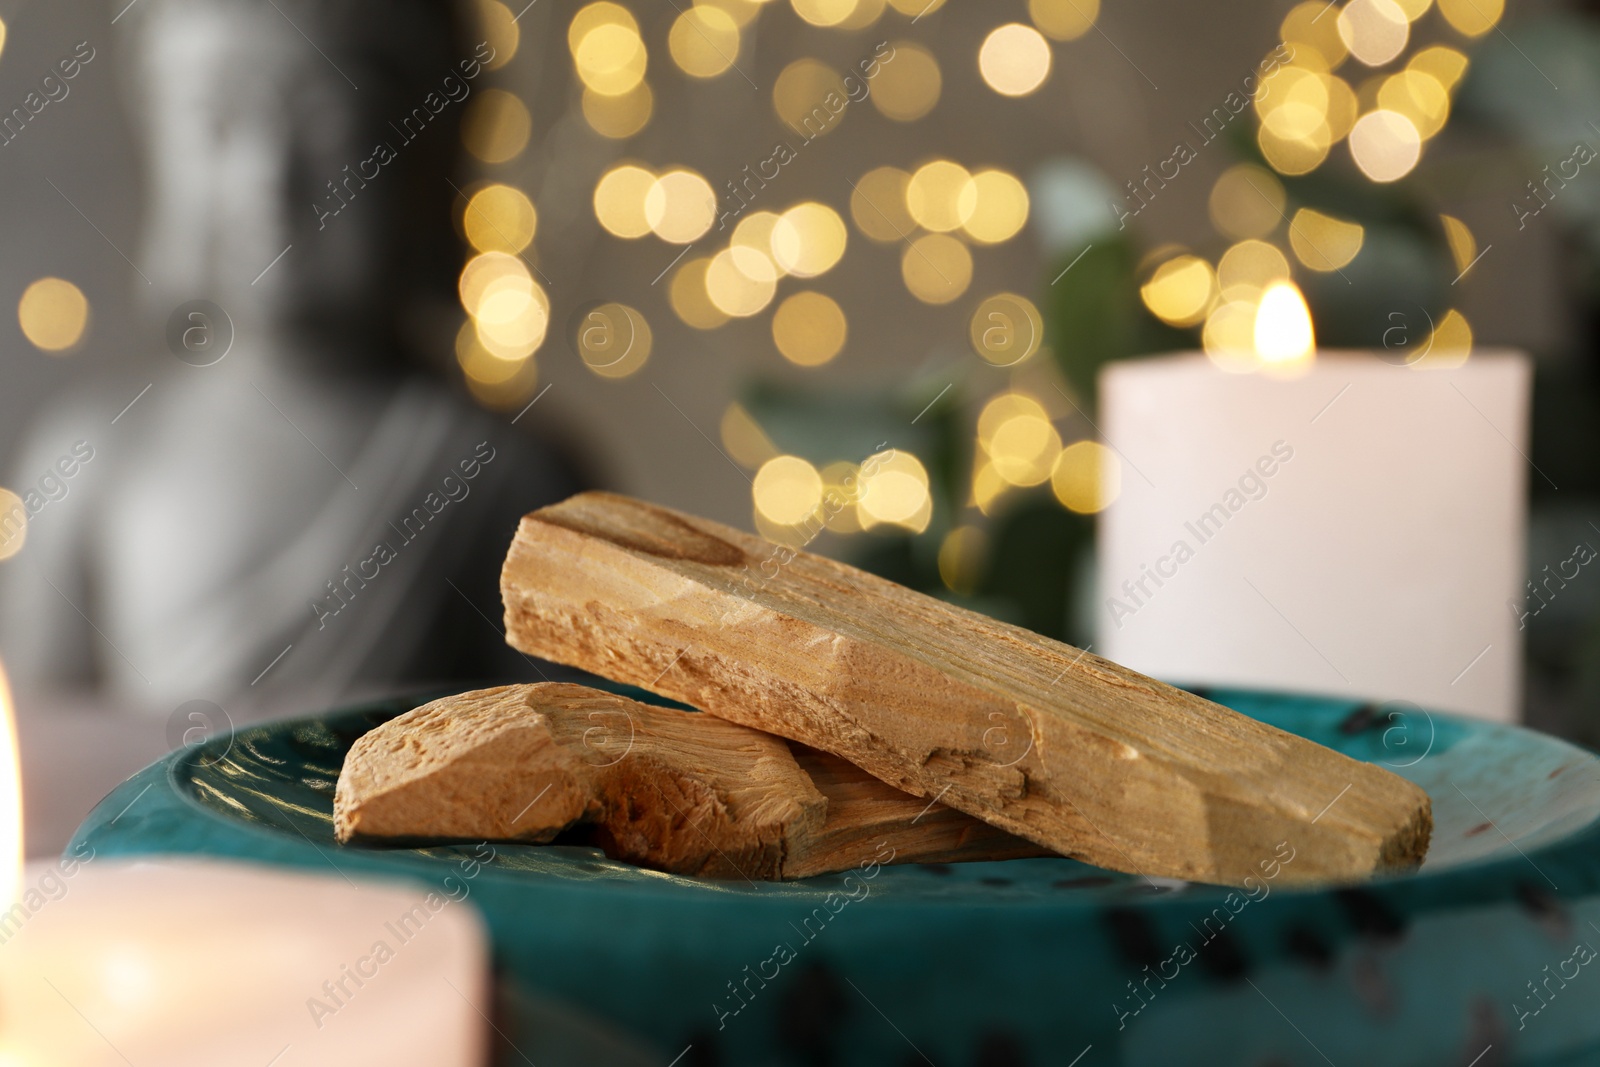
x: 500, y: 30
x: 1385, y: 145
x: 744, y: 439
x: 1375, y: 31
x: 1000, y: 207
x: 1473, y: 18
x: 1323, y: 242
x: 607, y: 52
x: 809, y: 239
x: 1006, y: 329
x: 941, y: 195
x: 504, y: 393
x: 482, y: 271
x: 1180, y: 291
x: 1251, y: 315
x: 1420, y: 97
x: 1229, y: 334
x: 740, y: 282
x: 800, y: 96
x: 878, y: 205
x: 961, y: 556
x: 704, y: 41
x: 1003, y: 407
x: 499, y: 218
x: 495, y: 381
x: 690, y: 298
x: 593, y: 16
x: 613, y: 340
x: 1293, y: 103
x: 496, y: 126
x: 839, y: 487
x: 619, y: 117
x: 894, y: 491
x: 483, y: 366
x: 754, y: 232
x: 513, y: 322
x: 680, y: 206
x: 1294, y: 156
x: 1065, y: 20
x: 907, y: 88
x: 1247, y: 268
x: 866, y: 13
x: 936, y: 268
x: 1307, y: 27
x: 13, y: 523
x: 1247, y: 201
x: 510, y: 311
x: 1283, y: 336
x: 619, y: 200
x: 1449, y: 343
x: 987, y: 487
x: 1023, y: 446
x: 1463, y: 246
x: 741, y: 11
x: 12, y: 849
x: 1014, y: 59
x: 1446, y: 64
x: 787, y: 490
x: 53, y: 314
x: 809, y: 328
x: 754, y: 263
x: 1087, y: 477
x: 1343, y: 106
x: 824, y: 12
x: 480, y: 364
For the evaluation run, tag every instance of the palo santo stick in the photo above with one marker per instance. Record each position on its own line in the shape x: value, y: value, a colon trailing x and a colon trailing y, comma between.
x: 864, y: 813
x: 1059, y: 746
x: 673, y: 790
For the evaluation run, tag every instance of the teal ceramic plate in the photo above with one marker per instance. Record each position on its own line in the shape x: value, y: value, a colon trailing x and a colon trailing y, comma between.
x: 1482, y: 953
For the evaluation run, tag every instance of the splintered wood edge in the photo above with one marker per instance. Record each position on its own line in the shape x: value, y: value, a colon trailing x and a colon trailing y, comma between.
x: 403, y: 780
x: 644, y: 595
x: 679, y: 791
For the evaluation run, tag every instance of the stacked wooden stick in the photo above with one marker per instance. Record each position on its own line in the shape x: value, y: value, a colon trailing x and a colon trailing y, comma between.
x: 838, y: 710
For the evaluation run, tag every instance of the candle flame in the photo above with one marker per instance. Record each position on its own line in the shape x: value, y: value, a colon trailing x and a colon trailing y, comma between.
x: 1283, y: 336
x: 11, y: 851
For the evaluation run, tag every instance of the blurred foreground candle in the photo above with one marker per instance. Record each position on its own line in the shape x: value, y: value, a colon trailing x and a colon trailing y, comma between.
x: 1331, y: 522
x: 189, y: 963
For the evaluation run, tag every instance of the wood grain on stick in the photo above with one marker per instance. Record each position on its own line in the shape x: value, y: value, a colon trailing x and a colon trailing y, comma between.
x: 1051, y: 743
x: 674, y: 790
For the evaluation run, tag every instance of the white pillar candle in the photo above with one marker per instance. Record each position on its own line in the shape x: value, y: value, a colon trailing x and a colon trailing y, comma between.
x: 193, y: 963
x: 1356, y: 530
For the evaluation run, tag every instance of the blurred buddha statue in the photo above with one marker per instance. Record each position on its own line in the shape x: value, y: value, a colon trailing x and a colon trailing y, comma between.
x: 315, y: 511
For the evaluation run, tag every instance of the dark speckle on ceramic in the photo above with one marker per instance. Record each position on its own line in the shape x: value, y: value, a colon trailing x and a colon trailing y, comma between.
x: 1546, y: 908
x: 1370, y: 915
x: 1304, y: 943
x: 1135, y: 937
x: 1222, y: 958
x: 1359, y: 720
x: 812, y: 1008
